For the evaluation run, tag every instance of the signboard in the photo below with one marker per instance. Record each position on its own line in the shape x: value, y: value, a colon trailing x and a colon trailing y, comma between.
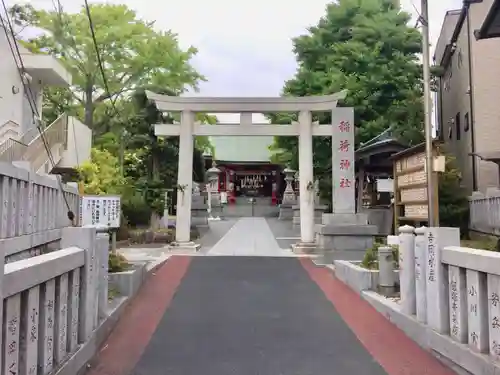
x: 410, y: 185
x: 103, y: 210
x: 385, y: 185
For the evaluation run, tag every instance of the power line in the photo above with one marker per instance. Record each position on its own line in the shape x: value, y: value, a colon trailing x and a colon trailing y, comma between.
x: 98, y: 55
x: 14, y: 48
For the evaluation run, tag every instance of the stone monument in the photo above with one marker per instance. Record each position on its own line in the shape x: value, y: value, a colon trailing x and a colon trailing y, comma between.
x: 344, y: 234
x: 289, y: 197
x: 199, y: 214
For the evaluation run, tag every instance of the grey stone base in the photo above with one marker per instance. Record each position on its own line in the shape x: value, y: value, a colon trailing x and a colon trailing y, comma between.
x: 329, y: 256
x: 184, y: 246
x: 128, y: 282
x: 199, y: 214
x: 319, y: 210
x: 357, y: 277
x: 286, y: 212
x: 345, y: 219
x: 345, y: 237
x: 304, y: 248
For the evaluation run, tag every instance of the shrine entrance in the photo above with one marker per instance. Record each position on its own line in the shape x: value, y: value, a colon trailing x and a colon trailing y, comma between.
x: 341, y: 129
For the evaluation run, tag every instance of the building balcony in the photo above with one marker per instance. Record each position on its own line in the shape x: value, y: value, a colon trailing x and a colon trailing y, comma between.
x: 46, y: 69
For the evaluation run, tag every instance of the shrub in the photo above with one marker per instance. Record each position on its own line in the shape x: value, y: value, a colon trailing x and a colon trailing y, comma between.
x: 117, y: 263
x: 370, y: 260
x: 136, y: 211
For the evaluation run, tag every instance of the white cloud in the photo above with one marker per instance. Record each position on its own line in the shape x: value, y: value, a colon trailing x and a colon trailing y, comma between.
x: 245, y: 47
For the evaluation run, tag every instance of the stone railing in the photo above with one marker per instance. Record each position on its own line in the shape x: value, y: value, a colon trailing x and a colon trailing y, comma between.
x: 33, y: 211
x: 53, y: 303
x: 485, y: 211
x: 454, y: 291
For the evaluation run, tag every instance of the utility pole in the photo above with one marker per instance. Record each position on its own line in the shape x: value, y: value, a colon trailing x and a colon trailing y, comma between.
x: 424, y: 19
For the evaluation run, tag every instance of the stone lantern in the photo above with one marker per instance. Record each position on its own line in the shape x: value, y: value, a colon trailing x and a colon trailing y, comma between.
x: 289, y: 196
x: 212, y: 177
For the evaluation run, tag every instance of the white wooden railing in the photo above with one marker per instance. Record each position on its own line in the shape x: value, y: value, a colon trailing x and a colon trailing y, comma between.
x: 53, y: 302
x: 32, y: 212
x: 455, y: 290
x: 485, y: 211
x: 31, y: 147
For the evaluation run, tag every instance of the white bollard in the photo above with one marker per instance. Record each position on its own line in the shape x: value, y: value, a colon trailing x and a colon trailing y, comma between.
x: 407, y: 269
x: 421, y: 274
x: 386, y: 279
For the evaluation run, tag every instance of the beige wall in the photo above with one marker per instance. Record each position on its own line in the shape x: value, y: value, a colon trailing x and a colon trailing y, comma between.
x: 455, y: 97
x: 79, y: 144
x: 456, y: 107
x: 486, y: 78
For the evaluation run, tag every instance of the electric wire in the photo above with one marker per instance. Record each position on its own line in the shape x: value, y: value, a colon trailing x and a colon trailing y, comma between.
x: 98, y: 55
x: 14, y: 48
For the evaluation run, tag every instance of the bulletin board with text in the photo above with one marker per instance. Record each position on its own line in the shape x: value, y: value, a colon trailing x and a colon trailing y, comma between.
x: 411, y: 204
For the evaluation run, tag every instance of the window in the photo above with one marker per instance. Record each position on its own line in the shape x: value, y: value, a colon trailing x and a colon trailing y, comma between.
x: 466, y: 122
x: 457, y: 126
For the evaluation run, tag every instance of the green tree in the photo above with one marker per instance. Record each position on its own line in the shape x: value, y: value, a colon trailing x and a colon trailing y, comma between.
x: 134, y: 54
x: 366, y: 47
x: 100, y: 175
x: 453, y: 198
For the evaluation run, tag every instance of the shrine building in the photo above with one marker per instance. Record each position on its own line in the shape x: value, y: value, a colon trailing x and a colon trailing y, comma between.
x: 246, y: 169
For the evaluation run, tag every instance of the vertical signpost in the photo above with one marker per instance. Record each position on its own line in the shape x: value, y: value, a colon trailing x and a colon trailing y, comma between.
x: 343, y: 161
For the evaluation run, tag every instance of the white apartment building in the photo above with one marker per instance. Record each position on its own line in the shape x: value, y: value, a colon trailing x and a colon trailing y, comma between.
x: 20, y: 139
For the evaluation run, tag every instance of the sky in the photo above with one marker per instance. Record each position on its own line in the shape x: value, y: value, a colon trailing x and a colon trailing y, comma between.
x: 245, y: 47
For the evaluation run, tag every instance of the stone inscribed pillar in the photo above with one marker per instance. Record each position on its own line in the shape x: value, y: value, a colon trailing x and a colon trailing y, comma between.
x: 420, y: 274
x: 477, y: 300
x: 437, y: 277
x: 458, y: 303
x: 494, y: 314
x: 343, y: 180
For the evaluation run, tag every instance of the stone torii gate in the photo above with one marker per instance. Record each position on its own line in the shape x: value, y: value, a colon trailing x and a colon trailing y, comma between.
x: 341, y: 129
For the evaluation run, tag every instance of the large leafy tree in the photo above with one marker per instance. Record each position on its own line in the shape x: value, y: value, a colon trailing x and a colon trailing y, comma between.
x: 134, y: 54
x: 366, y: 47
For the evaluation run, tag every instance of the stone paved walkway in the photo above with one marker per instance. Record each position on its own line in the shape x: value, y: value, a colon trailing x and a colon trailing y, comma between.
x: 250, y: 236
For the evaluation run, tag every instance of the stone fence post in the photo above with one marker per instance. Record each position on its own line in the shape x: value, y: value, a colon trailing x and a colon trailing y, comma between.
x: 85, y: 238
x: 102, y: 251
x: 421, y: 274
x: 438, y: 308
x: 407, y: 269
x: 2, y: 264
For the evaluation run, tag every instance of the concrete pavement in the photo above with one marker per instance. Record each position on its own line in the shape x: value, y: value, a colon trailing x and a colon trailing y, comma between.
x: 255, y: 316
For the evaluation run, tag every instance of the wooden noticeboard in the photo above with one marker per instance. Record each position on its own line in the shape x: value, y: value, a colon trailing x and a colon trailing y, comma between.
x: 410, y: 187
